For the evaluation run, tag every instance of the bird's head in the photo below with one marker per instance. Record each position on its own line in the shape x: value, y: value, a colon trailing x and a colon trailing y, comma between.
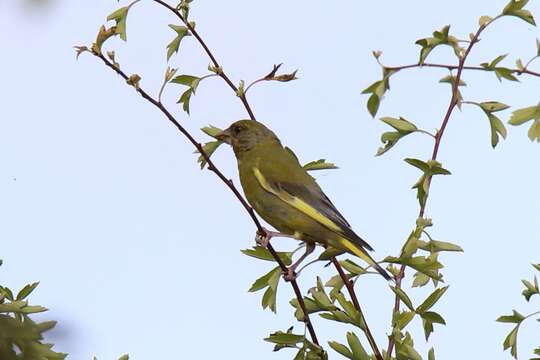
x: 244, y: 135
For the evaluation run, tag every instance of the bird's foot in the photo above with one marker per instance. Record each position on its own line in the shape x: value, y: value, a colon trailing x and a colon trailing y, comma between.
x: 289, y: 275
x: 262, y: 238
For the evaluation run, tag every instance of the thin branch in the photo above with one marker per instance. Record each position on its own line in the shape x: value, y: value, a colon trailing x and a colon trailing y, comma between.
x: 229, y: 183
x: 438, y: 137
x: 456, y: 67
x: 213, y: 59
x: 350, y: 288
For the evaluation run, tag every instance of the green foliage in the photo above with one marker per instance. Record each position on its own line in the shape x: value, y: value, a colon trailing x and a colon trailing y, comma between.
x: 355, y: 350
x: 515, y: 8
x: 527, y: 114
x: 174, y: 45
x: 320, y: 164
x: 441, y: 37
x: 429, y: 169
x: 496, y: 125
x: 403, y: 128
x: 420, y: 252
x: 510, y: 342
x: 499, y: 71
x: 306, y: 349
x: 377, y: 91
x: 120, y: 17
x: 270, y: 280
x: 21, y: 338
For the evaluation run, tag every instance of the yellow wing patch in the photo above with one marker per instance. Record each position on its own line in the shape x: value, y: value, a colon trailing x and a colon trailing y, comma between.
x: 296, y: 202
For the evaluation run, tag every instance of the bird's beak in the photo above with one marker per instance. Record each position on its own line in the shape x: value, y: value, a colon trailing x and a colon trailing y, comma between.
x: 224, y: 136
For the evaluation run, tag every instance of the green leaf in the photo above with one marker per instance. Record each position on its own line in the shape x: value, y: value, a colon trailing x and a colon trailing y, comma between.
x: 187, y: 80
x: 402, y: 319
x: 497, y: 128
x: 536, y: 266
x: 320, y: 164
x: 500, y: 72
x: 428, y: 319
x: 352, y: 267
x: 431, y: 300
x: 515, y: 8
x: 211, y: 130
x: 124, y: 357
x: 431, y: 354
x: 439, y: 246
x: 426, y: 265
x: 373, y: 104
x: 377, y: 90
x: 264, y: 281
x: 493, y: 106
x: 27, y: 290
x: 530, y: 289
x: 262, y: 253
x: 103, y: 35
x: 434, y: 317
x: 403, y: 297
x: 451, y: 79
x: 358, y: 351
x: 209, y: 148
x: 441, y: 37
x: 420, y: 279
x: 181, y: 32
x: 401, y: 124
x: 429, y: 168
x: 120, y: 17
x: 389, y: 139
x: 269, y: 297
x: 524, y: 115
x: 534, y: 131
x: 350, y: 310
x: 341, y: 349
x: 282, y: 338
x: 511, y: 341
x: 185, y: 99
x: 515, y: 318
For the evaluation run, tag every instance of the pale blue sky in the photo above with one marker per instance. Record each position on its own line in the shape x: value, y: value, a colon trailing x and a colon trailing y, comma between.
x: 137, y: 250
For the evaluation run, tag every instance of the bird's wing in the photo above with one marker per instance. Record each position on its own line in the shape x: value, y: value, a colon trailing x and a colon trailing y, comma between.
x: 311, y: 201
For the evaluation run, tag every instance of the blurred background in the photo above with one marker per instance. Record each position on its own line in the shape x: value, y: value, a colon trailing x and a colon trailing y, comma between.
x: 137, y: 250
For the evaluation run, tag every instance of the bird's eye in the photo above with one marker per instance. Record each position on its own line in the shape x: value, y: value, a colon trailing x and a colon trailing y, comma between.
x: 237, y: 129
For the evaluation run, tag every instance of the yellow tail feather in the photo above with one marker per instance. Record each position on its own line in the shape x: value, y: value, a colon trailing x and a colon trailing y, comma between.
x: 362, y: 254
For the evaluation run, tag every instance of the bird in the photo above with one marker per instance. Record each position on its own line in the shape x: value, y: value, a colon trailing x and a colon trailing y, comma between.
x: 282, y: 192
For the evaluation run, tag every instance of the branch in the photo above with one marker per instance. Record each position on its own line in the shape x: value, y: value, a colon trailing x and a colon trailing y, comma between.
x: 350, y: 288
x: 438, y: 137
x: 213, y: 59
x: 228, y: 182
x: 456, y: 67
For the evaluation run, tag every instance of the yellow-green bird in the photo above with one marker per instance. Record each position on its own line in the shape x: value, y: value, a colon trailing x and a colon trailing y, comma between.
x: 286, y: 196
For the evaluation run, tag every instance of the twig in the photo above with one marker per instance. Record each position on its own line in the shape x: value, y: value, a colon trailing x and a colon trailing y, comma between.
x: 456, y: 67
x: 213, y: 59
x: 227, y: 182
x: 350, y: 288
x: 438, y: 137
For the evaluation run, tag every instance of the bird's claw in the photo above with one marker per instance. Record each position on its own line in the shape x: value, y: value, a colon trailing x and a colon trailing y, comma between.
x: 262, y: 239
x: 289, y: 275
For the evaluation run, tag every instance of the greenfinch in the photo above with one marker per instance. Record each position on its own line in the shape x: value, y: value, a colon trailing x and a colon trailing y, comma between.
x: 282, y: 192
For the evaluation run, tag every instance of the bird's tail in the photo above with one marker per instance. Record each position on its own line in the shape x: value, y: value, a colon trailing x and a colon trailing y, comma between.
x: 361, y: 253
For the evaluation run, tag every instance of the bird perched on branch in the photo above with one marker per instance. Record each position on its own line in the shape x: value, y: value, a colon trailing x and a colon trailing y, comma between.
x: 286, y: 196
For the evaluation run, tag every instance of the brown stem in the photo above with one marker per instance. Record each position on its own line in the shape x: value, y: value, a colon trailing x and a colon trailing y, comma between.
x: 350, y: 288
x: 227, y: 182
x: 455, y: 67
x: 438, y: 137
x: 213, y: 59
